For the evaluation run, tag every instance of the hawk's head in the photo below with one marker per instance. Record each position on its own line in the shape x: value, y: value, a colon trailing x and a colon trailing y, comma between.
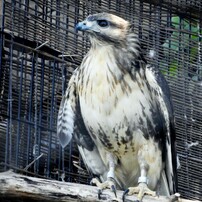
x: 105, y: 27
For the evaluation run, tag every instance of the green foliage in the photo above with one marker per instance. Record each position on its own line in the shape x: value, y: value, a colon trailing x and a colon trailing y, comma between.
x: 184, y: 39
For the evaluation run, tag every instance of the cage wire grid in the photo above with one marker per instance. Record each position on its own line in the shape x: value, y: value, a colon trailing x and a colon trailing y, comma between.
x: 40, y: 49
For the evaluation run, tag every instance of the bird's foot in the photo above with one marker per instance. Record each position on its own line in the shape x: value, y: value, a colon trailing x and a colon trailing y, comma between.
x: 110, y: 183
x: 142, y: 189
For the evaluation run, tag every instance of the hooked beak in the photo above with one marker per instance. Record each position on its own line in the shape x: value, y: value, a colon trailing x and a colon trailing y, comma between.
x: 82, y: 26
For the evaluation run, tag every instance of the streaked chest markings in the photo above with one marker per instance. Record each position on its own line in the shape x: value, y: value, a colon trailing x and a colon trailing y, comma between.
x: 107, y: 93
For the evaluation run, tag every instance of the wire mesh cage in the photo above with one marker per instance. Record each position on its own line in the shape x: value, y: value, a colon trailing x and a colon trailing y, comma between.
x: 40, y: 49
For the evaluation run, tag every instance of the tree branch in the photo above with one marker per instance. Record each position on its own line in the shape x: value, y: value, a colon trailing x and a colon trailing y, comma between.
x: 16, y: 187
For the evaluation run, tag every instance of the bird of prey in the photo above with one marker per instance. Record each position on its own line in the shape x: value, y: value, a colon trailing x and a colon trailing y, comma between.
x: 118, y: 108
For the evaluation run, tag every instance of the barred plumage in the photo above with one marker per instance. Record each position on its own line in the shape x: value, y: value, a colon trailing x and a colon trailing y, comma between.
x: 121, y: 111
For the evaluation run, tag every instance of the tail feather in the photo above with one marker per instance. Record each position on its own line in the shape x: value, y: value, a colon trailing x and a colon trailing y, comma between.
x: 164, y: 187
x: 65, y: 123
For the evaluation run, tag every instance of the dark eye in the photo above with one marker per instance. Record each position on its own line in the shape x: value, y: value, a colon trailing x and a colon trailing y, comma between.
x: 103, y: 23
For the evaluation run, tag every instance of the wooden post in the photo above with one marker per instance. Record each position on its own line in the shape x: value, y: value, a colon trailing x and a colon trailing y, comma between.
x: 16, y: 187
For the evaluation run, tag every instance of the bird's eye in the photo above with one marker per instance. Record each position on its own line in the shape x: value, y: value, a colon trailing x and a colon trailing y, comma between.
x: 103, y: 23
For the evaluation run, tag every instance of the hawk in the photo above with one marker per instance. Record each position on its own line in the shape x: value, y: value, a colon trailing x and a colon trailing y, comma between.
x: 118, y: 108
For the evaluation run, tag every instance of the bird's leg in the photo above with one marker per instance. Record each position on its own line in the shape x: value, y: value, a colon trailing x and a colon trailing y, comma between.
x: 142, y: 188
x: 110, y: 182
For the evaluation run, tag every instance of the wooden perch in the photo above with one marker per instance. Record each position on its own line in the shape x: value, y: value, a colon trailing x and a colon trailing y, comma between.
x: 16, y: 187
